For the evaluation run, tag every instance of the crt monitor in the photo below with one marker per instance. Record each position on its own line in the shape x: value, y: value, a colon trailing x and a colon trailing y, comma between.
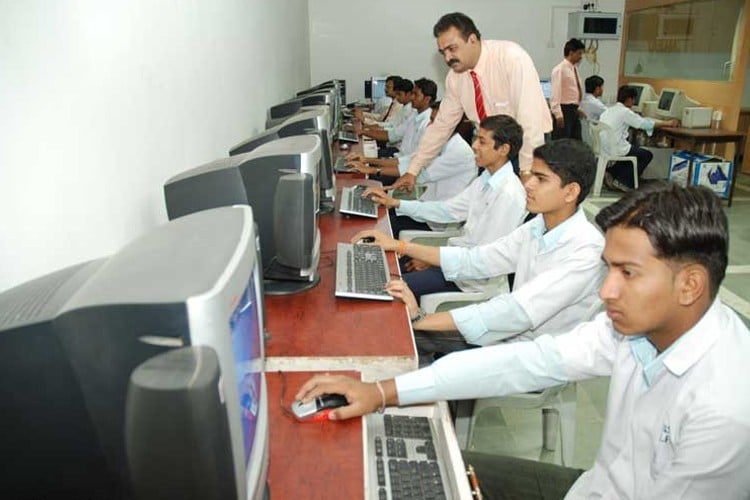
x: 70, y: 341
x: 378, y: 88
x: 280, y: 181
x: 337, y: 83
x: 644, y: 93
x: 672, y: 102
x: 309, y: 120
x: 279, y: 112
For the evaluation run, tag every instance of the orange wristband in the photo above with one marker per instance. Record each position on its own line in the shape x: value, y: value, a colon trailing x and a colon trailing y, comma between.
x: 401, y: 247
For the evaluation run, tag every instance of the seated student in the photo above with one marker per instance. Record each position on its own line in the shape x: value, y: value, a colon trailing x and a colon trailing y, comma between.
x: 493, y: 205
x: 385, y: 108
x: 677, y: 423
x: 591, y: 107
x: 620, y: 118
x: 402, y: 89
x: 556, y: 257
x: 446, y: 176
x: 408, y: 133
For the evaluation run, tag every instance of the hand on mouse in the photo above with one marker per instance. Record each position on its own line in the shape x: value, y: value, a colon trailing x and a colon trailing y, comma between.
x: 378, y: 195
x: 406, y: 183
x: 385, y: 242
x: 363, y: 397
x: 413, y: 265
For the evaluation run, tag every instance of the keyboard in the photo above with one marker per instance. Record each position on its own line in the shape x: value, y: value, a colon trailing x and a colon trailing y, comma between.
x: 402, y: 458
x: 340, y: 166
x: 361, y: 272
x: 348, y: 136
x: 353, y: 203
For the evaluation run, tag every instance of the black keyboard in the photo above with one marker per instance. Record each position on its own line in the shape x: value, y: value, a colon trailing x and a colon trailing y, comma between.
x: 405, y: 459
x: 361, y: 271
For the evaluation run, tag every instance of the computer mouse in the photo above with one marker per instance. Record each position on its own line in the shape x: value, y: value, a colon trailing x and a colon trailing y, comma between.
x: 319, y: 408
x: 367, y: 239
x: 343, y: 146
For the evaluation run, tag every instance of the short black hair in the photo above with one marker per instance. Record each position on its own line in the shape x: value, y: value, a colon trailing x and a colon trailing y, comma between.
x: 572, y: 45
x: 428, y: 88
x: 572, y: 161
x: 684, y: 224
x: 461, y: 22
x: 392, y: 78
x: 505, y: 130
x: 403, y: 85
x: 626, y: 91
x: 435, y: 105
x: 592, y: 83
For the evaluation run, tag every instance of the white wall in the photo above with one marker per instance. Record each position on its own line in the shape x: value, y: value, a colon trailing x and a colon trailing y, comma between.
x: 357, y: 39
x: 101, y: 102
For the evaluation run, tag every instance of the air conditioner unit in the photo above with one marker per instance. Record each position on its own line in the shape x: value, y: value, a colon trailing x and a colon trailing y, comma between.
x: 594, y: 25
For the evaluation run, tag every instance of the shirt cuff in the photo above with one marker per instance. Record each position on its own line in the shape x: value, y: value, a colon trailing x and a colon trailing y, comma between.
x: 450, y: 260
x: 648, y: 126
x: 416, y: 387
x: 469, y: 322
x: 403, y: 164
x: 407, y: 207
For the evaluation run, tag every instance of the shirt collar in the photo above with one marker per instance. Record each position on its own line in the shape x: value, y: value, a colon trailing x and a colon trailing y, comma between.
x: 481, y: 66
x: 550, y: 239
x: 424, y: 116
x: 687, y: 350
x: 496, y: 179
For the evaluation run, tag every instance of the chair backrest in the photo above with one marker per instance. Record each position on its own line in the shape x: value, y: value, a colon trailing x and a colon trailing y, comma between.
x: 603, y: 138
x: 586, y: 132
x: 595, y: 129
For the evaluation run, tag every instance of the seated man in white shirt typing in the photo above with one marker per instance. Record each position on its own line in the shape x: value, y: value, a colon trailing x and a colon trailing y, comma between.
x: 493, y: 205
x: 446, y: 176
x: 403, y: 90
x: 677, y: 423
x: 591, y: 107
x: 620, y: 118
x: 385, y: 108
x: 555, y: 256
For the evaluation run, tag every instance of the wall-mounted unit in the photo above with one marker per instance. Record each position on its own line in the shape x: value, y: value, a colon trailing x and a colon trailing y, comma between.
x: 594, y: 25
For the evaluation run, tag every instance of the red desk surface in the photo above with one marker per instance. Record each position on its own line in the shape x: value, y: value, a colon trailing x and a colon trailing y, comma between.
x: 315, y: 323
x: 320, y: 460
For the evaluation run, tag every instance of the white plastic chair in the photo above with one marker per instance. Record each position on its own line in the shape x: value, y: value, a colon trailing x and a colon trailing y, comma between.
x: 599, y: 133
x: 558, y: 403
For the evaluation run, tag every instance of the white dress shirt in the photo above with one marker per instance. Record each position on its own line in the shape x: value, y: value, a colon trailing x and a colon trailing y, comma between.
x: 620, y: 118
x: 448, y: 174
x: 592, y: 107
x: 410, y: 131
x: 677, y: 424
x: 510, y: 86
x: 381, y: 105
x: 491, y: 206
x: 392, y: 109
x: 558, y: 274
x: 397, y: 117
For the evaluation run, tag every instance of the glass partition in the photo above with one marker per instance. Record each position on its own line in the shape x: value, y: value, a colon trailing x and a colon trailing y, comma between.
x: 691, y: 40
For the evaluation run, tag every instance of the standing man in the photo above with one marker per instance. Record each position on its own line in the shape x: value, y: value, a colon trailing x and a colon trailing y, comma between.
x: 591, y: 106
x: 566, y: 92
x: 487, y: 78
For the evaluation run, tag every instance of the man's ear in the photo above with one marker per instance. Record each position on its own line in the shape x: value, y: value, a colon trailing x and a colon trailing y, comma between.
x: 693, y: 282
x: 572, y: 191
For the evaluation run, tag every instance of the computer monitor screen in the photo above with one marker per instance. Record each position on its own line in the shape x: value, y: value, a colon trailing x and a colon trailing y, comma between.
x: 665, y: 100
x: 378, y: 88
x: 546, y: 89
x: 68, y: 359
x: 280, y: 180
x: 644, y: 93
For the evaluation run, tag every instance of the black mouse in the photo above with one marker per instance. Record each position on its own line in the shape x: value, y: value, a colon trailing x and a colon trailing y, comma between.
x: 318, y: 408
x: 367, y: 239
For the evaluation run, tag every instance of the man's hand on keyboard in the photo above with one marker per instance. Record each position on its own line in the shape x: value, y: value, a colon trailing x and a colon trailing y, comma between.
x: 360, y: 167
x: 378, y: 195
x: 400, y: 290
x: 355, y: 157
x: 363, y: 398
x: 381, y: 239
x: 406, y: 183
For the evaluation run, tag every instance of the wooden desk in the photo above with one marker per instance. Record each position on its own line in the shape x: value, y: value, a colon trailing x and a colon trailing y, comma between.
x: 696, y: 136
x: 317, y: 460
x: 314, y: 330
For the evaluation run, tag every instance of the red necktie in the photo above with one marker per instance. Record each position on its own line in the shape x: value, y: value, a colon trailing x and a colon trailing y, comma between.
x: 478, y: 101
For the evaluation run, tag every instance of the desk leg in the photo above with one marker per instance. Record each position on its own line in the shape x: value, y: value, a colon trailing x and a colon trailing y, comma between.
x: 740, y: 147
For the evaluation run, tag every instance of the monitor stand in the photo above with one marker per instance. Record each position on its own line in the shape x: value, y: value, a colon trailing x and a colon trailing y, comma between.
x: 273, y: 287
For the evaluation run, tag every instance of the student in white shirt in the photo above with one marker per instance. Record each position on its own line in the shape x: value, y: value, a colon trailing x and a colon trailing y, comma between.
x: 493, y: 205
x: 402, y: 89
x: 591, y: 107
x: 620, y: 118
x: 678, y: 420
x: 449, y: 173
x: 385, y: 108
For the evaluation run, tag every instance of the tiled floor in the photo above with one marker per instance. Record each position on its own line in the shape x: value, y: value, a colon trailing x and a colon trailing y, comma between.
x: 519, y: 432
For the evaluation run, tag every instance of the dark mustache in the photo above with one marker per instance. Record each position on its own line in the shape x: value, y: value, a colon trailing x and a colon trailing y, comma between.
x: 452, y: 61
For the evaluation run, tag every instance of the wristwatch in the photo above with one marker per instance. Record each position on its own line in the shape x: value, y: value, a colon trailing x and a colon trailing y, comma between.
x: 421, y: 314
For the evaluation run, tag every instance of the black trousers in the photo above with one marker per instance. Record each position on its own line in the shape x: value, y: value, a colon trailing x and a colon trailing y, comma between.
x: 623, y: 170
x: 571, y: 123
x: 511, y: 478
